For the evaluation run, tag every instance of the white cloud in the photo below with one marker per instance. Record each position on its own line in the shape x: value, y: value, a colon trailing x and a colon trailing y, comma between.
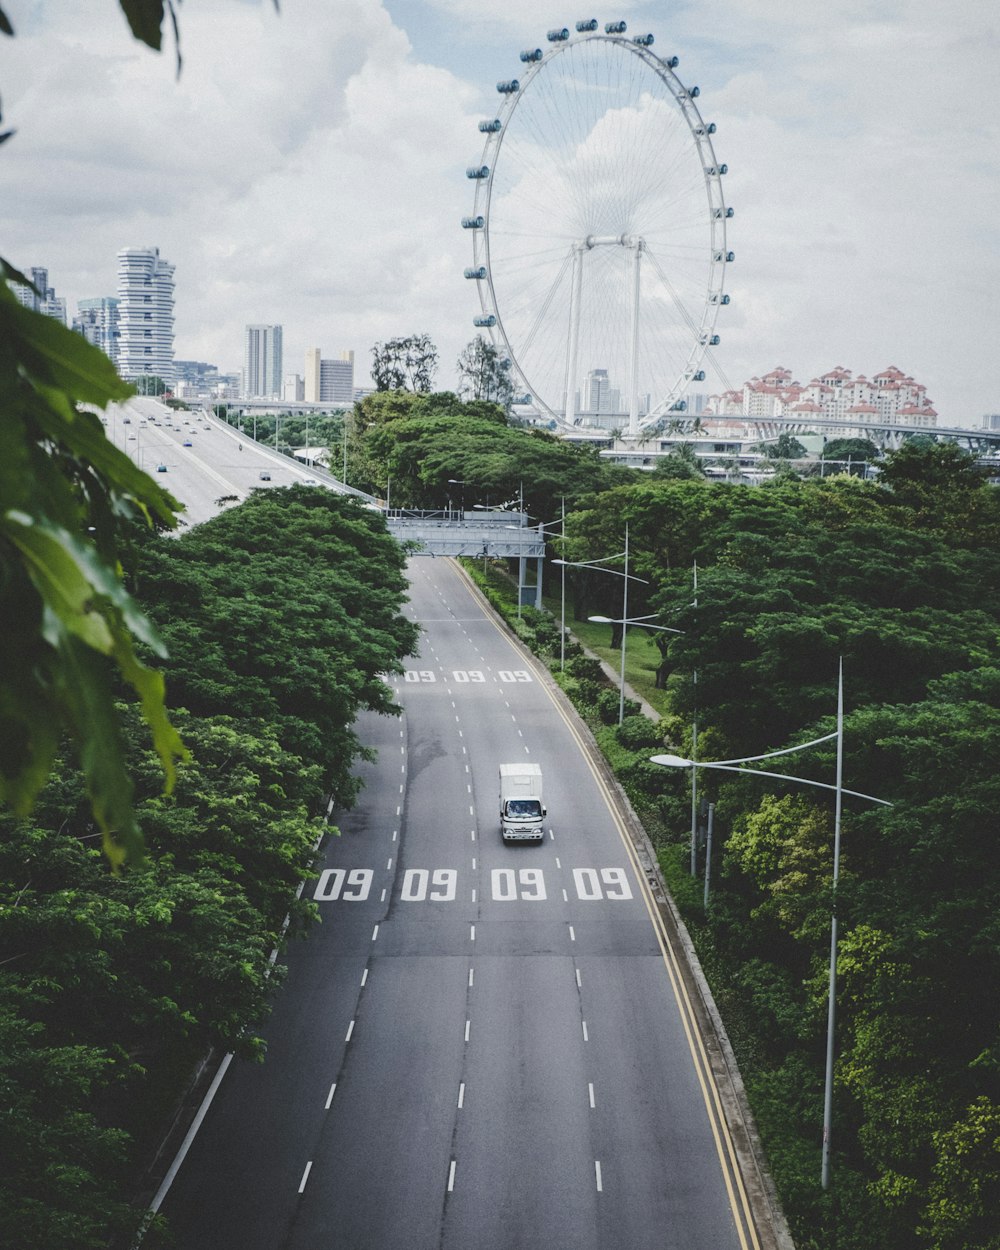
x: 308, y: 168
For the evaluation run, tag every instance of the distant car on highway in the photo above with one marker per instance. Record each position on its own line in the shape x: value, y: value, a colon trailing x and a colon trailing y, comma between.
x: 188, y: 443
x: 161, y: 468
x: 311, y: 481
x: 264, y: 475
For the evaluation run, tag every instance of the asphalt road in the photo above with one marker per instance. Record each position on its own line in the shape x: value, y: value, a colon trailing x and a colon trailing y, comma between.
x: 203, y: 459
x: 482, y: 1047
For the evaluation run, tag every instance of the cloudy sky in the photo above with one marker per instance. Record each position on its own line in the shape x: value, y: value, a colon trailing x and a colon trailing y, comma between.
x: 308, y: 168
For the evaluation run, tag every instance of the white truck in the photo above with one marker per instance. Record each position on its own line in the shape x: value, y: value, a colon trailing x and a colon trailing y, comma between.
x: 521, y: 809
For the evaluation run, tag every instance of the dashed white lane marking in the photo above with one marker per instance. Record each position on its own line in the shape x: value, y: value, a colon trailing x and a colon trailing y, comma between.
x: 395, y: 834
x: 565, y: 897
x: 451, y: 1176
x: 597, y: 1172
x: 381, y: 900
x: 590, y: 1091
x: 473, y: 895
x: 329, y: 1097
x: 558, y: 864
x: 364, y: 978
x: 472, y: 935
x: 471, y: 977
x: 375, y: 934
x: 586, y: 1036
x: 579, y: 982
x: 468, y: 1026
x: 350, y: 1030
x: 572, y: 934
x: 305, y: 1176
x: 461, y: 1094
x: 388, y: 864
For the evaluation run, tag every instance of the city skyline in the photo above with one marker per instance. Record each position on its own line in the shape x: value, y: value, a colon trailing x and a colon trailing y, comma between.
x: 288, y: 176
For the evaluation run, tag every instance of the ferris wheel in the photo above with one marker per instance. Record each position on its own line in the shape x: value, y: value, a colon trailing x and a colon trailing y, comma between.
x: 599, y: 230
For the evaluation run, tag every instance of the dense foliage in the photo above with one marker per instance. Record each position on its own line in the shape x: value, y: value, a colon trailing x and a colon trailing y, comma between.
x: 280, y: 616
x: 899, y: 577
x: 435, y: 448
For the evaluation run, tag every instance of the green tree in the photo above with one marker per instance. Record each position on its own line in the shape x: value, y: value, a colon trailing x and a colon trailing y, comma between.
x: 63, y: 608
x: 682, y: 462
x: 482, y: 374
x: 785, y: 447
x: 404, y: 364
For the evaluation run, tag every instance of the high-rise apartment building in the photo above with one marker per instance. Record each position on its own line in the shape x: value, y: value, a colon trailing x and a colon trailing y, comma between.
x: 310, y: 378
x: 44, y: 300
x: 97, y: 321
x: 145, y: 314
x: 262, y: 362
x: 329, y: 381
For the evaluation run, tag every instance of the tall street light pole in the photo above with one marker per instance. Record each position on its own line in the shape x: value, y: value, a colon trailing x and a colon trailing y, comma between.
x: 627, y: 577
x: 735, y: 766
x: 642, y: 622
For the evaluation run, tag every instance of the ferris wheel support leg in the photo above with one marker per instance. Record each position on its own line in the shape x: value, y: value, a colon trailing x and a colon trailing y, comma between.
x: 575, y: 292
x: 633, y: 374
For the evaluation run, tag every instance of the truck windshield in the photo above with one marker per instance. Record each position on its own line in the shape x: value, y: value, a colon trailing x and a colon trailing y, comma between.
x: 524, y: 807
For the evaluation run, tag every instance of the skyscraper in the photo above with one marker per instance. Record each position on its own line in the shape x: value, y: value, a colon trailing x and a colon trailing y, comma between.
x: 47, y: 302
x: 262, y: 362
x: 146, y: 314
x: 336, y: 379
x: 329, y: 381
x: 312, y: 375
x: 97, y: 321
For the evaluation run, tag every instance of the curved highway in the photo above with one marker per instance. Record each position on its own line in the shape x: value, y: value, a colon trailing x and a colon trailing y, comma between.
x: 482, y: 1046
x: 200, y: 459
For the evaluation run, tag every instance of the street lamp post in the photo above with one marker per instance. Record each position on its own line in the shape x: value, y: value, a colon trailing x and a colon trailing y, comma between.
x: 562, y: 615
x: 627, y: 577
x: 456, y: 481
x: 735, y: 766
x: 625, y: 622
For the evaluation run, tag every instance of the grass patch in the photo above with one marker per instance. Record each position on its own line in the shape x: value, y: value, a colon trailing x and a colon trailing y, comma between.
x: 642, y: 656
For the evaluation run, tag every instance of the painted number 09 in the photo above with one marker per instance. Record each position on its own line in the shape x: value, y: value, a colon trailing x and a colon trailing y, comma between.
x: 589, y: 888
x: 416, y: 880
x: 527, y: 884
x: 330, y: 885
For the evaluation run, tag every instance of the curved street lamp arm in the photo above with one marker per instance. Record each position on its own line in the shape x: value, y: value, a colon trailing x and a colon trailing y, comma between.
x: 802, y: 781
x: 770, y: 755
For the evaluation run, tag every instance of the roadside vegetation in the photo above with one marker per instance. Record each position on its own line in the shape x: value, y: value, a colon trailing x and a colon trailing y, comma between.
x: 279, y: 615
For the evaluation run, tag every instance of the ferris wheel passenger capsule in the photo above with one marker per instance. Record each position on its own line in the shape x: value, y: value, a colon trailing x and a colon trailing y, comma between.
x: 672, y: 62
x: 473, y: 223
x: 584, y: 26
x: 644, y: 41
x: 478, y: 171
x: 699, y: 376
x: 557, y: 36
x: 615, y: 28
x: 487, y: 322
x: 531, y: 54
x: 509, y: 86
x: 478, y: 273
x: 694, y: 93
x: 490, y: 127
